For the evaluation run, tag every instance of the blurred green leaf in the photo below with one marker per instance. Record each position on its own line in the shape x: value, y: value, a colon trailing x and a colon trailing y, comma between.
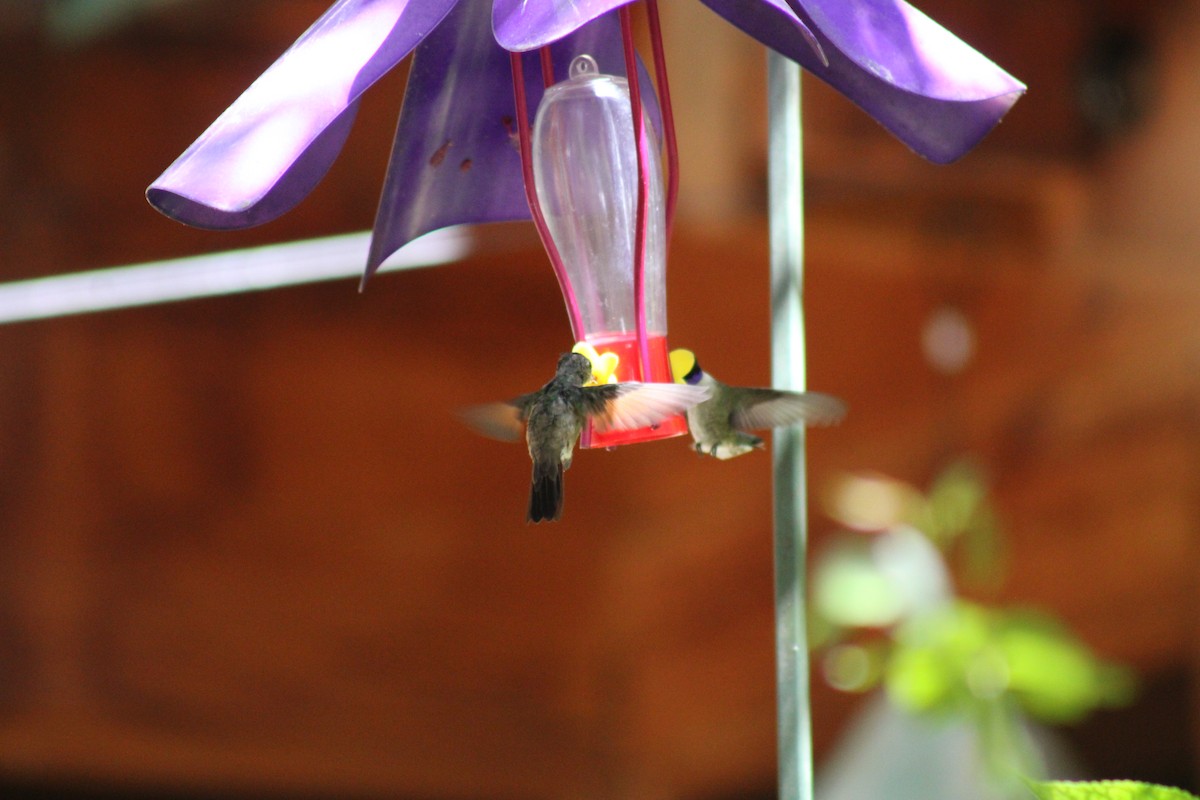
x: 855, y: 666
x: 933, y: 652
x: 920, y: 680
x: 822, y: 631
x: 1054, y: 675
x: 1106, y: 790
x: 946, y: 655
x: 955, y: 498
x: 984, y: 557
x: 958, y: 514
x: 965, y: 655
x: 850, y: 591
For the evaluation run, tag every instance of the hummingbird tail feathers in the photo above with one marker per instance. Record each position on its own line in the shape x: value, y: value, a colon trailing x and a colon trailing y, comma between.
x: 546, y: 494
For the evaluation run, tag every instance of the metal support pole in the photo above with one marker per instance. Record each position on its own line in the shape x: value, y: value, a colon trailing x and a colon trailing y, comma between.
x: 785, y: 187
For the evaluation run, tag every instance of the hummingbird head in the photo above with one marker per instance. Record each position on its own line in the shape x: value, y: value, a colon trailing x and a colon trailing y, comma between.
x: 685, y: 367
x: 574, y: 366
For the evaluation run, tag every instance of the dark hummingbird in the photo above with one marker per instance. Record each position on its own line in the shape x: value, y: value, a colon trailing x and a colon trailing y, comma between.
x: 720, y: 425
x: 554, y: 415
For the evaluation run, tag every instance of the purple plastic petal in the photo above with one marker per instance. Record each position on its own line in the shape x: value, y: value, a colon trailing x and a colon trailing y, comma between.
x: 521, y: 25
x: 275, y: 143
x: 930, y: 89
x: 455, y: 159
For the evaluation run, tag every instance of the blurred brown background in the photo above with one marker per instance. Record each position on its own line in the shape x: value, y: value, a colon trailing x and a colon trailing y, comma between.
x: 246, y: 550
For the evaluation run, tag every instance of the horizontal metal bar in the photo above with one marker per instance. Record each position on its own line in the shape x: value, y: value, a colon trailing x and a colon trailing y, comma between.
x: 231, y: 272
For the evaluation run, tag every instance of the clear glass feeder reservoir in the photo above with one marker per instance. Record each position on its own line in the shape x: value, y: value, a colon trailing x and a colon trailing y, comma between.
x: 586, y: 178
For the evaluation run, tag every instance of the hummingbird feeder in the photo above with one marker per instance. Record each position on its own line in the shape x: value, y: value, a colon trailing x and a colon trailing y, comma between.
x: 602, y: 211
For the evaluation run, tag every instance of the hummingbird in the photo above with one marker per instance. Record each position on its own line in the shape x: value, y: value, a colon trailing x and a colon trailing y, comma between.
x: 719, y: 425
x: 554, y: 415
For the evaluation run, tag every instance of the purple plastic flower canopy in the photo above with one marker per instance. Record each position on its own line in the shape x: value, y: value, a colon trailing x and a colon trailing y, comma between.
x: 455, y: 157
x: 269, y: 149
x: 453, y: 160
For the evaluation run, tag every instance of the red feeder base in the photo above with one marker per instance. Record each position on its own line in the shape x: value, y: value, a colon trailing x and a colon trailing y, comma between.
x: 657, y: 371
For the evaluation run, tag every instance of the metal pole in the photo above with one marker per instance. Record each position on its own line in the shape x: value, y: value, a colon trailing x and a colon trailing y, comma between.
x: 785, y: 188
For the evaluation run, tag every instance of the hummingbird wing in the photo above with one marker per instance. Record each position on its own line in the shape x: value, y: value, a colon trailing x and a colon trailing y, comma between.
x: 626, y: 406
x: 502, y: 421
x: 759, y: 409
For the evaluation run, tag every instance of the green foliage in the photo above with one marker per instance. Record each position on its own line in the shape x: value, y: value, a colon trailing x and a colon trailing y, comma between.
x: 956, y: 505
x: 956, y: 515
x: 942, y: 659
x: 851, y: 591
x: 963, y: 654
x: 885, y: 612
x: 1106, y: 790
x: 959, y: 516
x: 1054, y: 675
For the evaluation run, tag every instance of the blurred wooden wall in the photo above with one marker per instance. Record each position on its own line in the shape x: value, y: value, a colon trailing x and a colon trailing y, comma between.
x: 248, y: 549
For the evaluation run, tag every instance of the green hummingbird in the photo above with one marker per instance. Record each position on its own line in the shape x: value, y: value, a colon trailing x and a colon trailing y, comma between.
x: 554, y: 415
x: 719, y: 425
